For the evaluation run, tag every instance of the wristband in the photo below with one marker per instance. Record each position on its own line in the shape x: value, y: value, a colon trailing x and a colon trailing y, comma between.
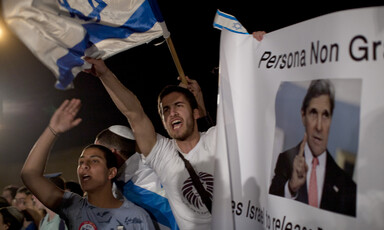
x: 53, y: 131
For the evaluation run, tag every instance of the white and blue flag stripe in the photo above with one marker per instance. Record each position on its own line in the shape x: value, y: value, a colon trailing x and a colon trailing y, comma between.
x: 157, y: 205
x: 140, y: 184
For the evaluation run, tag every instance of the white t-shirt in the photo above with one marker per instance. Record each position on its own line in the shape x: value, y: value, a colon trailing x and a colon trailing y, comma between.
x: 187, y: 206
x: 56, y: 223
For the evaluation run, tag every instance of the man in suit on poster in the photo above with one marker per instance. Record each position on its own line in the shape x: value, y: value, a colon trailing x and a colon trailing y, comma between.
x: 327, y: 186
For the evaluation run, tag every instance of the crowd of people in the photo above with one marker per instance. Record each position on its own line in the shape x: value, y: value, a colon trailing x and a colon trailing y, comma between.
x: 130, y: 177
x: 117, y: 189
x: 20, y: 209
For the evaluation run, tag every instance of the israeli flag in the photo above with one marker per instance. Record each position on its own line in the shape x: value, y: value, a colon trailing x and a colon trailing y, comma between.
x: 229, y: 22
x: 61, y: 32
x: 138, y: 183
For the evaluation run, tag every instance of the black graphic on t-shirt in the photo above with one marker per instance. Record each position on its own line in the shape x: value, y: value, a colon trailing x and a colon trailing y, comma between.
x: 190, y: 192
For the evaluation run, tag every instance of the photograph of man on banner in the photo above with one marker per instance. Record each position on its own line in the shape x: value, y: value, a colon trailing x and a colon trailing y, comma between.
x: 306, y: 169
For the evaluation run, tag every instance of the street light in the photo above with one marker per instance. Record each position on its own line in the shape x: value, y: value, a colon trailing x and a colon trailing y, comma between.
x: 3, y: 32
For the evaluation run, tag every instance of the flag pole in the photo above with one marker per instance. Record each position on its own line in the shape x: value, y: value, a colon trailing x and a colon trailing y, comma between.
x: 167, y: 37
x: 176, y: 59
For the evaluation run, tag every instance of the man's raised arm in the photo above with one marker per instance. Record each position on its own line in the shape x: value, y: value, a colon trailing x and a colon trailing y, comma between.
x: 127, y: 103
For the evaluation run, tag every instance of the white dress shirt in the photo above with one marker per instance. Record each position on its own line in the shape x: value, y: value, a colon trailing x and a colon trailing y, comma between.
x: 320, y: 173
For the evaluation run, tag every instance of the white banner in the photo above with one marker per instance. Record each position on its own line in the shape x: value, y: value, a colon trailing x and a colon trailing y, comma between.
x: 262, y: 88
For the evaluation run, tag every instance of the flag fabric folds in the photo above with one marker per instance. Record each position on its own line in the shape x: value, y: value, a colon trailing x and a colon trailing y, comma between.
x: 229, y: 22
x: 140, y: 184
x: 60, y: 33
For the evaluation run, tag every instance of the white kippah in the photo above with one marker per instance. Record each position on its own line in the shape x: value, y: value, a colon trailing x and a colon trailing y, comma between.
x: 123, y: 131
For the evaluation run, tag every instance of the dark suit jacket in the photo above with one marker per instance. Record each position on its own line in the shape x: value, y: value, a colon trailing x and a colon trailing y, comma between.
x: 339, y: 191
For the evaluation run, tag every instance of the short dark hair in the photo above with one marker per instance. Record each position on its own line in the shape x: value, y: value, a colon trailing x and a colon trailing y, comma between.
x: 58, y: 181
x: 74, y: 187
x: 24, y: 190
x: 111, y: 140
x: 12, y: 217
x: 317, y: 88
x: 4, y: 202
x: 108, y: 154
x: 12, y: 189
x: 175, y: 88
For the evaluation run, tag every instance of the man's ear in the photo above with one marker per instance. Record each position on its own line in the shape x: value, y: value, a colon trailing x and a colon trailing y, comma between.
x: 196, y: 114
x: 303, y: 117
x: 112, y: 173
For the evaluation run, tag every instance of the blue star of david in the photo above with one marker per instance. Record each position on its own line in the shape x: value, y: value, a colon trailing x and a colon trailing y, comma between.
x: 236, y: 26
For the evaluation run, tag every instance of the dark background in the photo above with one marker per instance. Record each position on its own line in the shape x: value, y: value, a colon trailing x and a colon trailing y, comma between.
x: 28, y: 97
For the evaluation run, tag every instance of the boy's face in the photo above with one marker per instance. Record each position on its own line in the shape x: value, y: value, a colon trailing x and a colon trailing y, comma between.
x: 23, y: 201
x: 8, y: 196
x: 92, y: 170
